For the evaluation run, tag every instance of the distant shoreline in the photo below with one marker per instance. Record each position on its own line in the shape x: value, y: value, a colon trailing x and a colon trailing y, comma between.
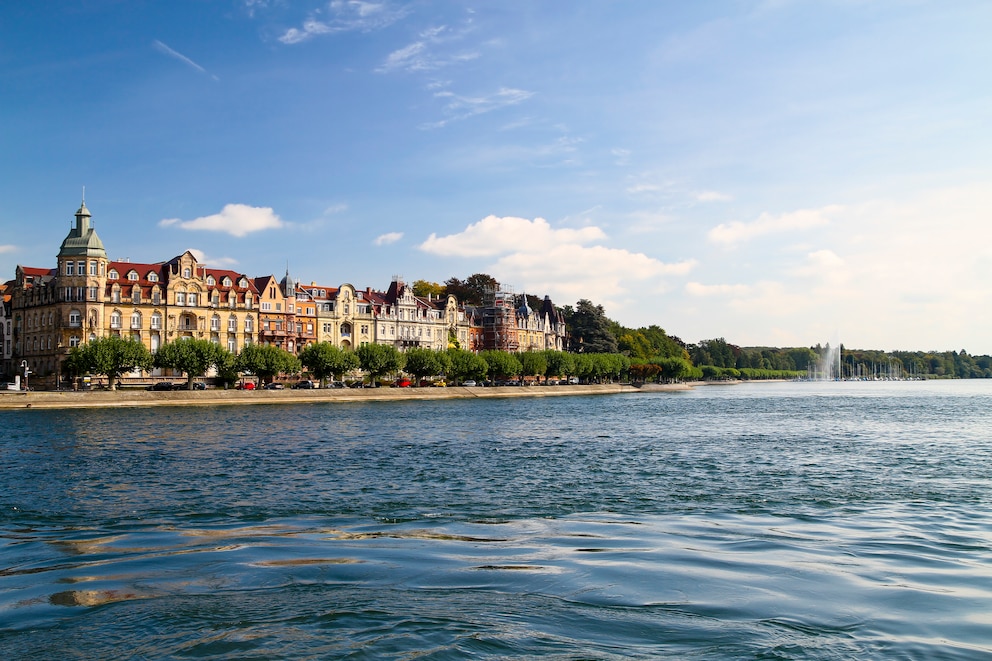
x: 213, y: 397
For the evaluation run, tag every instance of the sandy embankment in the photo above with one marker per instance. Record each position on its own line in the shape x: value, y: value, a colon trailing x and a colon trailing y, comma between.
x: 131, y: 398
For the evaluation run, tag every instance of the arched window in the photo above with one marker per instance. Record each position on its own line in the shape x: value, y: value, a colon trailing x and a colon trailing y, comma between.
x: 215, y: 322
x: 249, y: 324
x: 112, y: 274
x: 135, y: 319
x: 115, y: 319
x: 232, y: 324
x: 132, y: 275
x: 157, y: 320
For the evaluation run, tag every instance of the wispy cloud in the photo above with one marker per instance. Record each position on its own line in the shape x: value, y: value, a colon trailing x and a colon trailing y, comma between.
x: 344, y: 16
x: 388, y: 238
x: 234, y: 219
x: 423, y: 54
x: 712, y: 196
x: 462, y: 107
x: 739, y: 232
x: 162, y: 48
x: 7, y: 248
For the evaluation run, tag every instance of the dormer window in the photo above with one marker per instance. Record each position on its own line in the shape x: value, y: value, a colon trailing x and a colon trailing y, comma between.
x: 211, y: 281
x: 226, y: 281
x: 111, y: 274
x: 132, y: 275
x: 187, y: 272
x: 152, y: 276
x: 242, y: 283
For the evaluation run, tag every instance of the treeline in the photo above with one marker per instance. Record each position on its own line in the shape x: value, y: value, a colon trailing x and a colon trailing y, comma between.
x: 654, y: 355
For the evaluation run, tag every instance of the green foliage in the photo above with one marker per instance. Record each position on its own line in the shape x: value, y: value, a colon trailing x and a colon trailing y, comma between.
x: 422, y: 363
x: 465, y: 365
x: 558, y: 364
x: 502, y: 364
x: 471, y: 290
x: 112, y: 356
x: 532, y: 363
x: 648, y: 343
x: 590, y: 329
x: 323, y: 360
x: 379, y: 359
x: 425, y: 288
x: 190, y: 356
x: 266, y: 361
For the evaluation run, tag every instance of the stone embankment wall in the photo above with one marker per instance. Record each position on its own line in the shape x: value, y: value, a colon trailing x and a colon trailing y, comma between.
x: 141, y: 398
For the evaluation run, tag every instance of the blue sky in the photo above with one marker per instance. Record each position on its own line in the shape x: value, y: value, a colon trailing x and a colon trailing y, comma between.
x: 774, y: 172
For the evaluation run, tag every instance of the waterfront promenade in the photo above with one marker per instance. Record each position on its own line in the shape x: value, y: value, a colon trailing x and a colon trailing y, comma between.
x: 143, y: 398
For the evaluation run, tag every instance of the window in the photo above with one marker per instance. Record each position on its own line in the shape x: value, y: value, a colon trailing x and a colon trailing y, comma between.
x: 115, y: 295
x: 248, y: 301
x: 187, y: 273
x: 91, y: 293
x: 70, y: 268
x: 112, y: 274
x: 211, y: 281
x: 132, y: 275
x: 232, y: 345
x: 136, y: 296
x: 152, y: 276
x: 278, y: 307
x: 226, y: 281
x: 92, y: 268
x: 328, y: 328
x: 243, y: 283
x: 180, y: 298
x: 74, y: 341
x: 232, y: 324
x: 191, y: 299
x: 365, y: 329
x: 156, y: 321
x: 156, y: 340
x: 136, y: 320
x: 81, y: 268
x: 266, y: 306
x: 75, y: 319
x: 156, y: 297
x: 215, y: 323
x: 115, y: 319
x: 79, y: 293
x: 249, y: 324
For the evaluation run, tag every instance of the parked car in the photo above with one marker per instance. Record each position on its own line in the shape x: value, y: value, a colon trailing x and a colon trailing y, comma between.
x: 199, y: 385
x: 161, y: 385
x: 245, y: 385
x: 439, y: 384
x: 305, y: 384
x: 402, y: 383
x: 336, y: 384
x: 468, y: 384
x: 274, y: 386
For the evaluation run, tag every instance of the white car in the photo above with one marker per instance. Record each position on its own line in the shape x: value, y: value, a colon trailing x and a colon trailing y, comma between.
x: 468, y: 384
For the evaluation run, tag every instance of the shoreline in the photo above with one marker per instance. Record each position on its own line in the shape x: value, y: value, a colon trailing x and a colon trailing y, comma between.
x: 142, y: 398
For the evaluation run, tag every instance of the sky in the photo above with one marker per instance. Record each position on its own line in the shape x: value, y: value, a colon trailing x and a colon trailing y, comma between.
x: 773, y: 172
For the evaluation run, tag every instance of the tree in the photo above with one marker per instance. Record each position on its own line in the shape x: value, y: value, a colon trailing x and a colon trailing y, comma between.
x: 379, y: 359
x: 426, y: 289
x: 590, y: 329
x: 472, y: 290
x: 191, y: 356
x: 558, y: 364
x: 112, y: 356
x: 532, y: 363
x: 323, y: 359
x: 466, y: 365
x: 421, y: 362
x: 501, y: 363
x: 266, y: 360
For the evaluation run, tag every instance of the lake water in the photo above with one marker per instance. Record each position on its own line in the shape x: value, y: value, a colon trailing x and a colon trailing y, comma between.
x: 765, y: 521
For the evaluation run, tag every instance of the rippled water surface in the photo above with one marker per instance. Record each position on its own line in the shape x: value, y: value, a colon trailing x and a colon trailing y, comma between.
x: 766, y: 521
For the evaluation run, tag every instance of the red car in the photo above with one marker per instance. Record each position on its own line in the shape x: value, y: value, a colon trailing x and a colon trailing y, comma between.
x: 245, y: 385
x: 402, y: 383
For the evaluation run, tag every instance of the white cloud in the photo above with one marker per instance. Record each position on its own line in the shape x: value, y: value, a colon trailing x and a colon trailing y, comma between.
x: 7, y: 248
x: 712, y: 196
x: 494, y: 235
x: 216, y: 262
x: 344, y: 16
x: 699, y: 289
x: 182, y: 58
x: 388, y: 238
x: 235, y: 219
x: 738, y: 232
x: 462, y: 107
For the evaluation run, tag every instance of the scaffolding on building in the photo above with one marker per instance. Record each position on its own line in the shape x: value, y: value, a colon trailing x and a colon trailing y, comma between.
x: 499, y: 319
